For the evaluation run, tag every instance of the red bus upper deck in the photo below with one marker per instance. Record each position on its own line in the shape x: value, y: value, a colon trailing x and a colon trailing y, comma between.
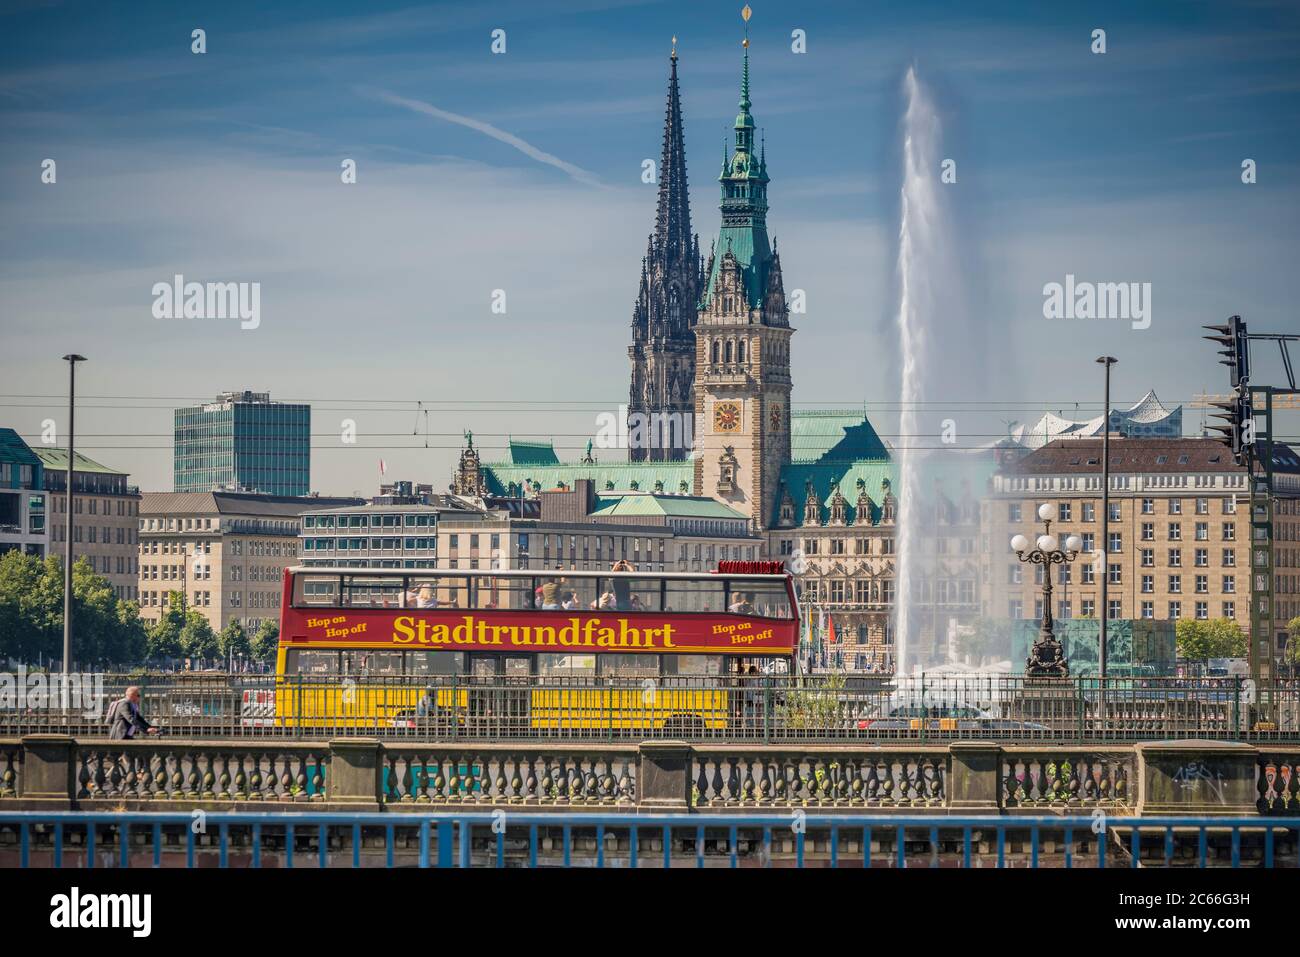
x: 453, y: 620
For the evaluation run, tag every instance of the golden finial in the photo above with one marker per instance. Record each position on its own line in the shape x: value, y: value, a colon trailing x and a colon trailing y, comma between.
x: 745, y: 14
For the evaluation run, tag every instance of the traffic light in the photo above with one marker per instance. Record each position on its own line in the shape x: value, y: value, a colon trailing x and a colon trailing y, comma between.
x: 1235, y: 351
x: 1237, y: 432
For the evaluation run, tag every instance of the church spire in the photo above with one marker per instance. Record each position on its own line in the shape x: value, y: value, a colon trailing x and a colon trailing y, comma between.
x: 663, y: 336
x: 673, y: 212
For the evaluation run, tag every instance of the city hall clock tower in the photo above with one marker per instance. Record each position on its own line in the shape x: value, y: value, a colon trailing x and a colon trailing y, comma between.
x: 742, y: 339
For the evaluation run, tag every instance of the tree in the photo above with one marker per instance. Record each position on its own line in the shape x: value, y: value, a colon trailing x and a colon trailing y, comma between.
x: 1215, y: 638
x: 197, y: 639
x: 266, y: 641
x: 233, y: 642
x: 163, y: 637
x: 1291, y: 654
x: 105, y: 630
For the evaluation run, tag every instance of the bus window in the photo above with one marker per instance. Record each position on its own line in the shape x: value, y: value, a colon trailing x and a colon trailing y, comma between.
x: 453, y: 592
x: 764, y: 599
x: 421, y: 592
x: 503, y: 593
x: 304, y: 661
x: 694, y: 596
x: 435, y: 663
x: 361, y: 591
x: 360, y: 661
x: 629, y: 594
x: 578, y: 594
x: 629, y: 666
x: 311, y: 590
x: 579, y: 666
x: 693, y: 664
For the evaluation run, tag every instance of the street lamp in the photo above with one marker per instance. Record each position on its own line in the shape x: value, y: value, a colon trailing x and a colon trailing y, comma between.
x: 1046, y: 658
x: 71, y: 359
x: 1107, y: 362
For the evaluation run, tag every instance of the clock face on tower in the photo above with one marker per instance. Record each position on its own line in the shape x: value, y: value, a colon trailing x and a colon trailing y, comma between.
x: 726, y: 417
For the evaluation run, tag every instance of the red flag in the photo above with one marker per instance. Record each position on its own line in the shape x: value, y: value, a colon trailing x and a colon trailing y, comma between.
x: 830, y: 631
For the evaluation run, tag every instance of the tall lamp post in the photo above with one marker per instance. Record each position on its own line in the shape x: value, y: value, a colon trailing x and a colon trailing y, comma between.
x: 71, y: 359
x: 1046, y: 658
x: 1107, y: 362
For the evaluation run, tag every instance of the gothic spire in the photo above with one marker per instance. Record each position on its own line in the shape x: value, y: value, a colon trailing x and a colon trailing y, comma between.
x: 673, y: 213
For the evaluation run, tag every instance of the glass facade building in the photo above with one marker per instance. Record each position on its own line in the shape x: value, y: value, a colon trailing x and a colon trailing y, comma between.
x: 243, y: 441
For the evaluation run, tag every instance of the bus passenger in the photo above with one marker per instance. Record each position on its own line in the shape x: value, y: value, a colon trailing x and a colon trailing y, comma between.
x: 551, y: 595
x: 570, y: 602
x: 743, y: 605
x: 427, y: 704
x: 622, y: 590
x: 636, y: 604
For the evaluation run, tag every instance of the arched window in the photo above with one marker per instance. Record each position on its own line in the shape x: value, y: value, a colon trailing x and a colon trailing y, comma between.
x: 729, y: 352
x: 715, y: 352
x: 740, y: 351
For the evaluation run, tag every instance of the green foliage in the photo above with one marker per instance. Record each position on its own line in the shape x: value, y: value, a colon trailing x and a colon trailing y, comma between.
x: 1215, y: 638
x: 104, y: 629
x: 810, y: 706
x: 197, y: 639
x: 164, y: 635
x: 1291, y: 654
x: 266, y: 641
x: 233, y: 641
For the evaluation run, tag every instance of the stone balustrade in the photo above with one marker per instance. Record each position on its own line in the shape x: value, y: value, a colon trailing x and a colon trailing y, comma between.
x: 59, y: 772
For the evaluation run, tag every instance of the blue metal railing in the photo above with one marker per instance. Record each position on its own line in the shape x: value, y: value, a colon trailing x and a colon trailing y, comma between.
x: 449, y: 840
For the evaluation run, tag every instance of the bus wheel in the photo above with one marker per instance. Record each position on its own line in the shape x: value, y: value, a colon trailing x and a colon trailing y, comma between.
x: 685, y: 726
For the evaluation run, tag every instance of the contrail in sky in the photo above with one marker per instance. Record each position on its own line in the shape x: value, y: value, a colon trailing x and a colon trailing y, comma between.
x: 528, y: 149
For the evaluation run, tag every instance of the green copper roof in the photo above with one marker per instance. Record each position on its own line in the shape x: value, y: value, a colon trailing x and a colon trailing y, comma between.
x: 673, y: 506
x: 824, y: 474
x: 56, y: 460
x: 744, y: 206
x: 834, y: 435
x: 615, y: 477
x: 523, y: 452
x: 13, y: 449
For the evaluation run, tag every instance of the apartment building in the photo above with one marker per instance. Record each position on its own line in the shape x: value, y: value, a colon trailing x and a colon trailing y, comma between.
x: 105, y: 517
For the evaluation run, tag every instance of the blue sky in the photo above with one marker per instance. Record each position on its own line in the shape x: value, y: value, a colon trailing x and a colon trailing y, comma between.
x: 225, y: 167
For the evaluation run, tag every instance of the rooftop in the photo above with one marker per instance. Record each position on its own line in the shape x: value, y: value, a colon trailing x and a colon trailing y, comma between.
x: 57, y: 460
x: 671, y: 506
x: 1127, y: 455
x: 14, y: 449
x: 236, y: 503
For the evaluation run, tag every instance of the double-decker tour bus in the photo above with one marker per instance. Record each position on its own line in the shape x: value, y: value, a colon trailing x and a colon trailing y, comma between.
x: 527, y: 651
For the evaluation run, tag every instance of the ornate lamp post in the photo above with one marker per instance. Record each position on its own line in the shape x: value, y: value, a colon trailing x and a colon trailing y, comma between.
x: 1046, y: 658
